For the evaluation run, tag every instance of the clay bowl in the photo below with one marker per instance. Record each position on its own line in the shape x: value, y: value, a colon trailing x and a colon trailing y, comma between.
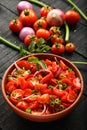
x: 50, y: 117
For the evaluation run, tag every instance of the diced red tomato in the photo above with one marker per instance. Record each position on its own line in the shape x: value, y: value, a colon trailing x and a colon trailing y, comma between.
x: 10, y: 86
x: 23, y: 63
x: 44, y: 99
x: 16, y: 96
x: 22, y: 105
x: 63, y: 65
x: 76, y: 83
x: 47, y: 78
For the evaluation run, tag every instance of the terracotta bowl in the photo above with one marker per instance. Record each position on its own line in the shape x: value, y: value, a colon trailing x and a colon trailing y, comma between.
x: 50, y: 117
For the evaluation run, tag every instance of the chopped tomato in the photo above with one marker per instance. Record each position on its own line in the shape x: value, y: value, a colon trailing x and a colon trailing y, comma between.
x: 47, y: 78
x: 16, y: 96
x: 10, y: 86
x: 22, y: 105
x: 23, y: 63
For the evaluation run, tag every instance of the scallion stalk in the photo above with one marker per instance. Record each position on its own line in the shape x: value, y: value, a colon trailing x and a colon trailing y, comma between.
x: 18, y: 48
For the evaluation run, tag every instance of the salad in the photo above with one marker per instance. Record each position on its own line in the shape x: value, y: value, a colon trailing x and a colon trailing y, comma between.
x: 42, y: 87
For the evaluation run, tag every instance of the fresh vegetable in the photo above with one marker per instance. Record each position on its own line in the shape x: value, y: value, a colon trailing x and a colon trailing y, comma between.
x: 28, y: 17
x: 49, y: 89
x: 68, y: 1
x: 58, y: 48
x: 40, y: 23
x: 72, y: 17
x: 69, y: 47
x: 67, y: 32
x: 43, y: 33
x: 26, y: 31
x: 38, y: 46
x: 30, y: 38
x: 54, y: 30
x: 22, y: 5
x: 77, y: 9
x: 16, y: 47
x: 57, y: 39
x: 15, y: 25
x: 55, y: 17
x: 45, y: 10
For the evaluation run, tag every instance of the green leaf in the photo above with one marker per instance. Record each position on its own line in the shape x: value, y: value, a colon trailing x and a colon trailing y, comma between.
x: 37, y: 62
x: 31, y: 47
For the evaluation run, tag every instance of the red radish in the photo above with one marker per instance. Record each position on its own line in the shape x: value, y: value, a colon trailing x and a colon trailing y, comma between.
x: 55, y: 17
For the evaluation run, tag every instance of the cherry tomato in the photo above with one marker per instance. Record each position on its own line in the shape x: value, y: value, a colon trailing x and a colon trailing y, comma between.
x: 28, y: 17
x: 22, y: 105
x: 45, y: 10
x: 57, y: 39
x: 40, y: 23
x: 16, y: 96
x: 72, y: 17
x: 29, y: 38
x: 15, y: 25
x: 43, y: 33
x: 58, y: 48
x: 69, y: 47
x: 54, y: 30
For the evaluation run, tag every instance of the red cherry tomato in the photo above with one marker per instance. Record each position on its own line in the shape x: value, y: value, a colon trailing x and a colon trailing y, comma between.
x: 69, y: 47
x: 43, y: 33
x: 57, y: 39
x: 29, y: 38
x: 72, y: 17
x: 15, y: 25
x: 54, y: 30
x: 45, y: 10
x: 40, y: 23
x: 28, y: 17
x: 57, y: 48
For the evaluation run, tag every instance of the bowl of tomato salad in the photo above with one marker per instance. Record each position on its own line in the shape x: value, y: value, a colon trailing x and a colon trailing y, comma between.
x: 42, y: 87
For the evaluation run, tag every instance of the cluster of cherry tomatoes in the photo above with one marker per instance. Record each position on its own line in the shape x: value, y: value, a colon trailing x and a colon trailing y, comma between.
x: 29, y: 18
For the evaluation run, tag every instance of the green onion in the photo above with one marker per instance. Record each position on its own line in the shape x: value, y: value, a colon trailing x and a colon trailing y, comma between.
x: 38, y: 3
x: 18, y: 48
x: 67, y: 32
x: 28, y: 110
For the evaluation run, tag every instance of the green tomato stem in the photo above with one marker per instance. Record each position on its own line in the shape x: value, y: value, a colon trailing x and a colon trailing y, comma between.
x: 78, y: 9
x: 67, y: 32
x: 18, y: 48
x: 39, y: 3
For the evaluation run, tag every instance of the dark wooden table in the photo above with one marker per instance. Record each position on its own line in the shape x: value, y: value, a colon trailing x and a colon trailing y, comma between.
x: 77, y: 119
